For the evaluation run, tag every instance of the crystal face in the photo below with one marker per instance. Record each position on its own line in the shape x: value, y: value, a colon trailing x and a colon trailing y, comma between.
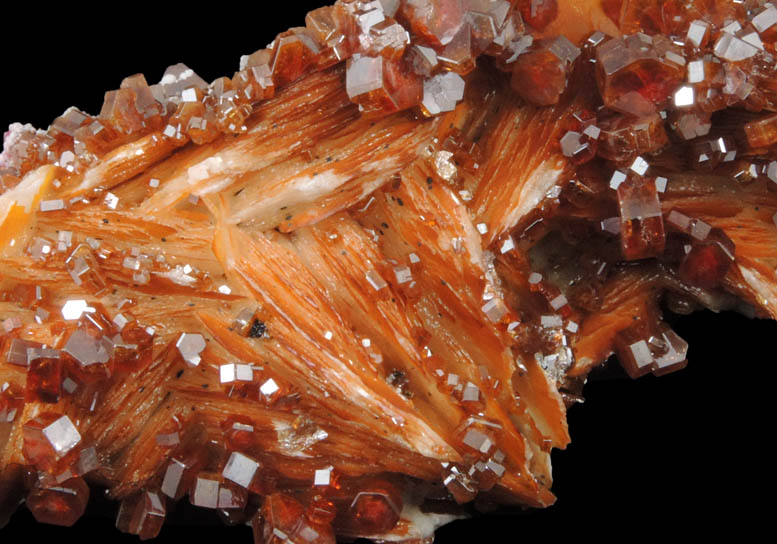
x: 372, y: 269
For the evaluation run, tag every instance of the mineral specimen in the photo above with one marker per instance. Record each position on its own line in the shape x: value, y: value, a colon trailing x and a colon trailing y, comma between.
x: 354, y: 288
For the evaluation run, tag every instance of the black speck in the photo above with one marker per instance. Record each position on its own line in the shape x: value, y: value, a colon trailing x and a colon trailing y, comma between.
x: 191, y: 305
x: 257, y: 329
x: 239, y: 191
x: 106, y: 221
x: 399, y: 201
x: 329, y: 159
x: 179, y: 374
x: 384, y: 225
x: 142, y: 388
x: 284, y: 207
x: 204, y: 386
x: 164, y: 239
x: 288, y: 218
x: 443, y: 282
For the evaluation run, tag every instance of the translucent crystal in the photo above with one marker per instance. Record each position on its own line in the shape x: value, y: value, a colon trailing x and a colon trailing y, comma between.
x: 624, y: 137
x: 437, y: 21
x: 49, y: 442
x: 632, y: 77
x: 442, y: 92
x: 642, y: 226
x: 61, y: 504
x: 381, y: 85
x: 240, y: 469
x: 142, y: 514
x: 539, y: 13
x: 190, y: 346
x: 376, y: 507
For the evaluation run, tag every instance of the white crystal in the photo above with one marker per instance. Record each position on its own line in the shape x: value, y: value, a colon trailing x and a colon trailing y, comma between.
x: 403, y: 274
x: 641, y: 353
x: 73, y: 309
x: 240, y: 469
x: 62, y: 435
x: 322, y: 476
x: 269, y: 387
x: 640, y: 166
x: 190, y: 346
x: 88, y: 350
x: 442, y: 92
x: 766, y: 19
x: 375, y: 280
x: 696, y: 32
x: 684, y: 96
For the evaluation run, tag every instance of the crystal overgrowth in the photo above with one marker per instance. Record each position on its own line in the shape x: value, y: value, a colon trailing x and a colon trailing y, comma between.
x: 393, y: 296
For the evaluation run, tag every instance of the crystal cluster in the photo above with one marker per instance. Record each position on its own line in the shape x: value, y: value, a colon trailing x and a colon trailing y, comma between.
x: 388, y: 302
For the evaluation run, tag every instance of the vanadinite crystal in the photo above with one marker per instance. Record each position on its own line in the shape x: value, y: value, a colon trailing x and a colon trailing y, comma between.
x: 351, y: 289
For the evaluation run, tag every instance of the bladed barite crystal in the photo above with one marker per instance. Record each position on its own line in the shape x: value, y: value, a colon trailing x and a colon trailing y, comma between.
x: 372, y: 268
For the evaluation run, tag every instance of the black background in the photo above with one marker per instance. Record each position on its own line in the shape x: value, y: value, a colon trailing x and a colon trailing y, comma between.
x: 684, y: 454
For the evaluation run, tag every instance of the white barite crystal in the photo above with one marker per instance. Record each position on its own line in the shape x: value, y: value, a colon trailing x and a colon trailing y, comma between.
x: 535, y: 278
x: 453, y: 380
x: 168, y: 440
x: 684, y: 96
x: 172, y: 479
x: 558, y: 302
x: 236, y: 372
x: 413, y: 258
x: 641, y: 353
x: 62, y: 435
x: 507, y: 245
x: 322, y: 476
x: 190, y: 346
x: 69, y: 386
x: 471, y: 393
x: 403, y: 274
x: 111, y: 200
x: 477, y: 440
x: 225, y: 289
x: 11, y: 323
x: 73, y: 309
x: 482, y: 228
x: 375, y: 280
x: 390, y: 7
x: 766, y: 19
x: 572, y: 327
x: 240, y: 469
x: 328, y: 335
x: 88, y: 350
x: 206, y: 493
x: 363, y: 75
x: 269, y: 388
x: 52, y: 205
x: 495, y: 310
x: 676, y: 350
x: 640, y: 166
x: 731, y: 48
x: 153, y: 183
x: 617, y: 178
x: 120, y: 321
x: 442, y: 92
x: 564, y: 49
x: 551, y: 321
x: 696, y: 32
x: 661, y: 184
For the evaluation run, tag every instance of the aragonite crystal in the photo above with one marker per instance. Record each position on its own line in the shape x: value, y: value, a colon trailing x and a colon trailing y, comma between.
x: 352, y: 289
